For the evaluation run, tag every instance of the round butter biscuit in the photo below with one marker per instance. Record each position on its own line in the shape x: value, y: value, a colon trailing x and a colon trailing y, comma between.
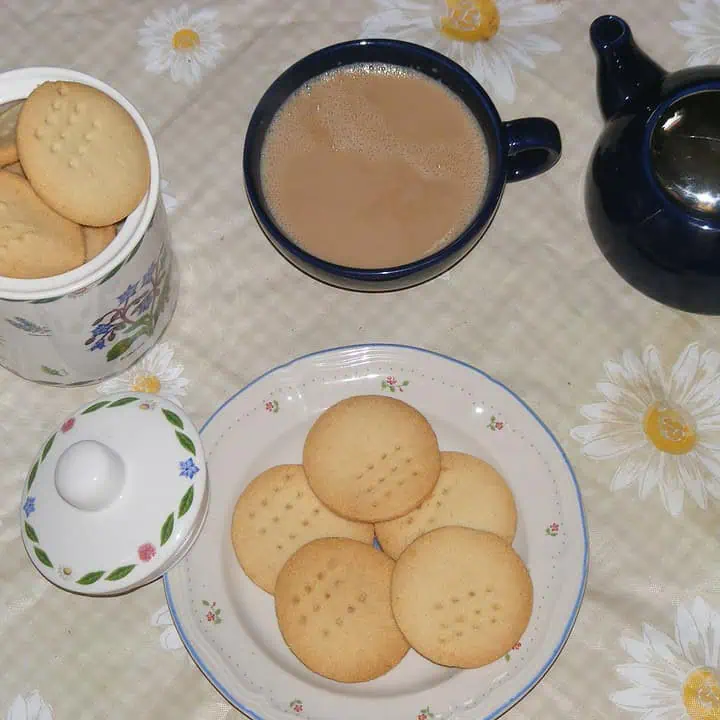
x: 469, y: 493
x: 371, y: 458
x: 278, y: 513
x: 462, y: 597
x: 332, y: 601
x: 35, y: 241
x: 97, y: 239
x: 8, y: 126
x: 82, y: 152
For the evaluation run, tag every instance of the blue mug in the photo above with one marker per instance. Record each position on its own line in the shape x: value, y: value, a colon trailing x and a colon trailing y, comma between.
x: 517, y: 150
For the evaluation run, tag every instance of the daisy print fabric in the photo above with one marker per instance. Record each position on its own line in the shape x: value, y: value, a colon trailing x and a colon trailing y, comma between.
x: 660, y: 428
x: 155, y: 373
x: 182, y: 43
x: 487, y: 37
x: 674, y: 678
x: 701, y: 27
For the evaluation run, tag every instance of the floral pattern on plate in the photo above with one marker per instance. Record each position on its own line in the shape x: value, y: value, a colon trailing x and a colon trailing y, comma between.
x: 674, y: 678
x: 662, y: 429
x: 487, y: 37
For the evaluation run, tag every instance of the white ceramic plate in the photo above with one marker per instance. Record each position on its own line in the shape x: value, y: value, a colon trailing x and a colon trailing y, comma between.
x: 228, y: 624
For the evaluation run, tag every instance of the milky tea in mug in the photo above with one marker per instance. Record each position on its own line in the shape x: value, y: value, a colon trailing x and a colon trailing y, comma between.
x: 373, y: 166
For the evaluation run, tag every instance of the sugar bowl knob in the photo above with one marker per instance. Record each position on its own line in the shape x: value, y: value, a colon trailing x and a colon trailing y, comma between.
x: 89, y: 475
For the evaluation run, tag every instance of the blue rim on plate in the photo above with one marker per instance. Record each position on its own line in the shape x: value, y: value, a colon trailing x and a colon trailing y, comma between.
x: 581, y: 590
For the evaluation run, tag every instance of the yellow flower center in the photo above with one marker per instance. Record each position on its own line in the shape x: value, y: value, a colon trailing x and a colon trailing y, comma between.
x: 701, y: 695
x: 470, y: 20
x: 185, y: 39
x: 146, y: 383
x: 669, y: 429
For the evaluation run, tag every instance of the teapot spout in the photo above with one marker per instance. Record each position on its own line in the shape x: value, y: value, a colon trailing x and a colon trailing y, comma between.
x: 625, y: 73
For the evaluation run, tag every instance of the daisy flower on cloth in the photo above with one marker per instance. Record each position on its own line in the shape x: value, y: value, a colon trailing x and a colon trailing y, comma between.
x: 674, y: 678
x: 169, y: 639
x: 486, y: 37
x: 182, y: 43
x: 662, y: 429
x: 155, y: 373
x: 29, y: 707
x: 702, y: 30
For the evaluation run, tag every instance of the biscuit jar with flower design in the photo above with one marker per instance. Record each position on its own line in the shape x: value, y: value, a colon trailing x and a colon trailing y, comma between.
x: 88, y: 280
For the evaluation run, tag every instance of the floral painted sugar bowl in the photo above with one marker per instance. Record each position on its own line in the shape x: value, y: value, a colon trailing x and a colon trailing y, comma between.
x: 97, y: 319
x: 115, y: 496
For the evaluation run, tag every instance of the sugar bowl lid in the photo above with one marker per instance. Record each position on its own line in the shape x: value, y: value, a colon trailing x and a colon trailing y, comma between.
x: 116, y: 495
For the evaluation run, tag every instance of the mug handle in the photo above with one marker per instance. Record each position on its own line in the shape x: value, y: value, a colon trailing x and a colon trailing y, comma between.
x: 533, y: 146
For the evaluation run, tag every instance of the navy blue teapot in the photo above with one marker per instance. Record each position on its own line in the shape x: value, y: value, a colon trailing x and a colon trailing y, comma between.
x: 652, y: 190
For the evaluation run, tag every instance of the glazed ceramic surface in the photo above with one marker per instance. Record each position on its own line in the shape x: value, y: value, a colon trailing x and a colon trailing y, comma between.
x: 518, y: 149
x: 652, y: 189
x: 96, y: 320
x: 228, y: 624
x: 116, y: 495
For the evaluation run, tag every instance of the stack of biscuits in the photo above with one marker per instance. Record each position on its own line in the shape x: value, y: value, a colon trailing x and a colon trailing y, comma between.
x: 73, y: 164
x: 446, y: 581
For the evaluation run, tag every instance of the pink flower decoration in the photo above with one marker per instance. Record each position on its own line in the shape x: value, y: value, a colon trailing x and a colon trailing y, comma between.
x: 146, y: 552
x: 499, y: 425
x: 68, y: 425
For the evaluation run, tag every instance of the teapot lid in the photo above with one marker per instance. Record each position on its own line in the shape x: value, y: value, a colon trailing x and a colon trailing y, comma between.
x: 115, y: 496
x: 685, y: 152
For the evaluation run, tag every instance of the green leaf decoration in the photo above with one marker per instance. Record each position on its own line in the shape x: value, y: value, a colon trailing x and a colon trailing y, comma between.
x: 206, y: 603
x: 173, y: 418
x: 94, y: 407
x: 47, y: 447
x: 91, y: 577
x: 167, y: 529
x: 33, y: 473
x: 42, y: 557
x: 119, y: 348
x: 186, y: 502
x: 185, y: 441
x: 120, y: 573
x: 30, y: 532
x: 122, y: 401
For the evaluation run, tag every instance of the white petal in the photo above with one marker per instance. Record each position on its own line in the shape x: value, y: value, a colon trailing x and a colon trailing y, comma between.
x: 18, y: 709
x: 707, y: 56
x: 161, y: 617
x: 638, y: 376
x: 631, y: 471
x: 653, y: 473
x: 671, y: 491
x: 610, y: 413
x: 663, y: 645
x: 689, y: 471
x: 690, y: 636
x: 656, y: 376
x: 683, y: 373
x: 535, y: 44
x: 528, y: 14
x: 615, y: 445
x: 711, y: 463
x: 170, y: 639
x: 632, y: 399
x: 637, y: 698
x: 45, y: 713
x: 34, y: 704
x: 648, y: 676
x: 637, y: 649
x: 500, y: 76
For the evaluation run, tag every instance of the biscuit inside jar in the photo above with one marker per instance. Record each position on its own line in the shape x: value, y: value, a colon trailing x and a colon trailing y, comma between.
x: 85, y: 168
